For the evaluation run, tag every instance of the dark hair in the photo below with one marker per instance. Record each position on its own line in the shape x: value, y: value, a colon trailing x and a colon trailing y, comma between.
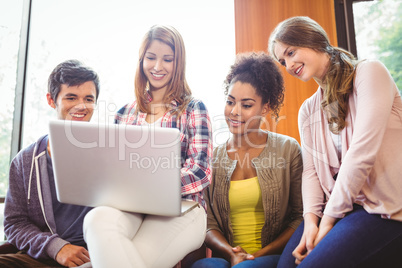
x: 305, y: 32
x: 71, y: 73
x: 260, y: 71
x: 178, y: 88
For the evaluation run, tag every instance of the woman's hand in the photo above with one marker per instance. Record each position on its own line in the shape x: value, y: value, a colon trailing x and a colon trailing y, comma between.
x: 306, y: 244
x: 239, y: 255
x: 326, y: 224
x: 300, y: 252
x: 219, y: 245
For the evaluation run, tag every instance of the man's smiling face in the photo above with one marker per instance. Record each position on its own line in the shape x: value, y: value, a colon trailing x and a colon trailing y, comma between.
x: 76, y: 102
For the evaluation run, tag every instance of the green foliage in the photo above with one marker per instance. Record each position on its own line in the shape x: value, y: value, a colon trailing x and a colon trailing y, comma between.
x: 378, y: 27
x: 390, y: 46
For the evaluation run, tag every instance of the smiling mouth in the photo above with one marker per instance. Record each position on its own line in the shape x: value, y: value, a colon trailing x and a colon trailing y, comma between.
x: 299, y: 69
x: 158, y: 76
x: 78, y: 116
x: 234, y: 122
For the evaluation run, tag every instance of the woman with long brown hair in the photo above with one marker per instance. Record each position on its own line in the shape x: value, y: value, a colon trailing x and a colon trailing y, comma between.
x: 350, y: 131
x: 163, y: 99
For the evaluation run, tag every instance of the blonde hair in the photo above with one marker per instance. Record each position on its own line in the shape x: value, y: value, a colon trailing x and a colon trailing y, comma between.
x: 178, y: 88
x: 305, y: 32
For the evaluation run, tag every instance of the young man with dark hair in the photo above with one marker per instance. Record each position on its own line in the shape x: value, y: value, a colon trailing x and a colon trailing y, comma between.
x: 49, y: 233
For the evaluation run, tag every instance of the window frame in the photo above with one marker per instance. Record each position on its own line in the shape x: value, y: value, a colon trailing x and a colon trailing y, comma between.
x: 22, y: 63
x: 345, y: 25
x: 17, y: 120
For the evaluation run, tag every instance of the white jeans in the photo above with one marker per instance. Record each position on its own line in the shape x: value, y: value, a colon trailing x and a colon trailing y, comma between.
x: 122, y: 239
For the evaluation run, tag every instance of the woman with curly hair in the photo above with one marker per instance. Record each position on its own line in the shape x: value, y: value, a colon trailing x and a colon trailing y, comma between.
x: 254, y: 200
x: 350, y: 131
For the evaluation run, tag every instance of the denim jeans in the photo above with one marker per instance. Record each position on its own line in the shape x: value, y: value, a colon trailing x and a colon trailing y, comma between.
x: 269, y: 261
x: 359, y: 239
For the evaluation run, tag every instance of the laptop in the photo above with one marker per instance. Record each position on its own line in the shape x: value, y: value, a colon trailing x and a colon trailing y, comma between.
x: 131, y: 168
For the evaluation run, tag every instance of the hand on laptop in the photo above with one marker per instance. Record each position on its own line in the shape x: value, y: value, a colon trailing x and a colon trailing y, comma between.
x: 72, y: 256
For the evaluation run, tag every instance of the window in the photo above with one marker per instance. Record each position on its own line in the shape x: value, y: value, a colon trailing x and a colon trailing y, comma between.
x: 10, y: 26
x: 106, y: 35
x: 378, y: 28
x: 372, y: 30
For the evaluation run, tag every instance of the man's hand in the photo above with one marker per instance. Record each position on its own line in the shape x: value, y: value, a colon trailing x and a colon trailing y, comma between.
x: 72, y: 256
x: 240, y: 255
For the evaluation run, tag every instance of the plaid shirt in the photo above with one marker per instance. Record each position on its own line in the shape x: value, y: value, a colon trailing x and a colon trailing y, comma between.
x: 196, y: 143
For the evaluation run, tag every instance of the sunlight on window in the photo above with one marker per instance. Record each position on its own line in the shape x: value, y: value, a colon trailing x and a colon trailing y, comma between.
x: 106, y: 36
x: 378, y: 27
x: 10, y: 24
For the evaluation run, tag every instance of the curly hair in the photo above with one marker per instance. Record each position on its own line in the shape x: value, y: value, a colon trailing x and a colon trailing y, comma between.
x: 260, y: 71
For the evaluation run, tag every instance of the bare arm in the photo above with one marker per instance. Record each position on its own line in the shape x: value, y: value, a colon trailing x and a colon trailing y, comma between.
x: 218, y: 244
x: 276, y: 246
x: 309, y: 235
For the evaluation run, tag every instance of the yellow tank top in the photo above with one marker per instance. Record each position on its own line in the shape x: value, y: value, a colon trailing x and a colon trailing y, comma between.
x: 246, y: 214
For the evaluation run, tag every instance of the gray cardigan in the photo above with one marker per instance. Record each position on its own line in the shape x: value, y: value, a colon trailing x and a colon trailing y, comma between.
x: 28, y: 215
x: 279, y: 168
